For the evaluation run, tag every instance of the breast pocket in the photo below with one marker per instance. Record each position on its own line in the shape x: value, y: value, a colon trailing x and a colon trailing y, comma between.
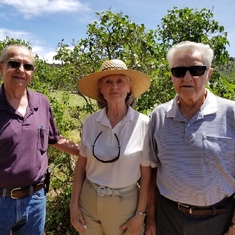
x: 43, y: 140
x: 218, y: 150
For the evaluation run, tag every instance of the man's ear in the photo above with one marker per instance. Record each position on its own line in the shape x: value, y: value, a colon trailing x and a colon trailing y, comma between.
x: 1, y: 65
x: 209, y: 74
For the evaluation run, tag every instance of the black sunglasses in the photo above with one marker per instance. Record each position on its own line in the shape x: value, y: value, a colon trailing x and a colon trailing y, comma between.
x: 180, y: 72
x: 15, y: 65
x: 108, y: 161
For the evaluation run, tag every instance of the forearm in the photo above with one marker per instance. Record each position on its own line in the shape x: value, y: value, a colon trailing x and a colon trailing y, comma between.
x: 133, y: 225
x: 76, y: 216
x: 144, y: 189
x: 231, y: 230
x: 150, y: 222
x: 67, y: 146
x: 153, y: 195
x: 79, y: 175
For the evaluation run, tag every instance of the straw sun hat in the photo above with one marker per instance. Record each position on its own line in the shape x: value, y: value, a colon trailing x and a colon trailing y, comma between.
x: 88, y: 85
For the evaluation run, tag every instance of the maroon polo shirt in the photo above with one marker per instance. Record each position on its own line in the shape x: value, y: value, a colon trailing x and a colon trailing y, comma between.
x: 24, y: 140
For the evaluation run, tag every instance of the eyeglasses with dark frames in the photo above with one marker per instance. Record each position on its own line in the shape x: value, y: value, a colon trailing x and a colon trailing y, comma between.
x: 180, y: 72
x: 108, y: 161
x: 15, y: 65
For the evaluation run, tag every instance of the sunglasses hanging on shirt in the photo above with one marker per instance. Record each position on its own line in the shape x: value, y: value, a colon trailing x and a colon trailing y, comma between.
x: 107, y: 161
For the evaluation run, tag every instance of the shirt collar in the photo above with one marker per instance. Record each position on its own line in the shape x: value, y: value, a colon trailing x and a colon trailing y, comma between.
x: 33, y: 101
x: 103, y: 119
x: 3, y: 102
x: 4, y: 105
x: 209, y: 106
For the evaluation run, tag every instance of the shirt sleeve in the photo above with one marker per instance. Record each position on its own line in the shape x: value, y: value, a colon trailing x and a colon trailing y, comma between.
x: 54, y: 135
x: 152, y: 143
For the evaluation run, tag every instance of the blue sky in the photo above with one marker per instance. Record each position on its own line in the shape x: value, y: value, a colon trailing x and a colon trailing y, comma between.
x: 44, y: 23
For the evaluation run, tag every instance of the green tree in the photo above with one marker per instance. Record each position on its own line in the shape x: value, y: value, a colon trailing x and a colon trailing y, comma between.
x: 114, y: 35
x: 193, y: 25
x: 10, y: 41
x: 198, y: 26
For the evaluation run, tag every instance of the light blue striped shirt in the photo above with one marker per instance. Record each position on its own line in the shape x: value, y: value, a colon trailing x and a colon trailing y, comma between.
x: 195, y: 158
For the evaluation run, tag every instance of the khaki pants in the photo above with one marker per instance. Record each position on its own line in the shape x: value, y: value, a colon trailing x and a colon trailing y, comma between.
x: 105, y: 214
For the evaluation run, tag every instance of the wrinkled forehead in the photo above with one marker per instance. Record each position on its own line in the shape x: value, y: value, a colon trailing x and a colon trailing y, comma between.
x: 187, y: 57
x: 20, y: 53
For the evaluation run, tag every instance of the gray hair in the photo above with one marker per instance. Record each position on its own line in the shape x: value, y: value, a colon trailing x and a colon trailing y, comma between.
x: 186, y: 46
x: 7, y: 53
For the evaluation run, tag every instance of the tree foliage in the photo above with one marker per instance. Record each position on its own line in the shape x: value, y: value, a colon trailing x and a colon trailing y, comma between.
x: 116, y: 35
x: 193, y: 25
x: 199, y: 26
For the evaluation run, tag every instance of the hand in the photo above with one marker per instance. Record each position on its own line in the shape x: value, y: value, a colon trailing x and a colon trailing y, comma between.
x: 150, y: 226
x: 231, y: 231
x: 77, y: 219
x: 134, y: 225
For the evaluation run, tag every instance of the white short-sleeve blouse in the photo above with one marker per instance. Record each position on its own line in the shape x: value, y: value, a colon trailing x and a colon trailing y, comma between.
x: 131, y: 133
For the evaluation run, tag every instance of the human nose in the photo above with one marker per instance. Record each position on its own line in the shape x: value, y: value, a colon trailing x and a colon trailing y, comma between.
x: 187, y: 76
x: 21, y: 68
x: 114, y: 85
x: 18, y: 67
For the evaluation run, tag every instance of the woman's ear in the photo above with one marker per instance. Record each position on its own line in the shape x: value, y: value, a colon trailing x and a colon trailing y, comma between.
x: 129, y: 88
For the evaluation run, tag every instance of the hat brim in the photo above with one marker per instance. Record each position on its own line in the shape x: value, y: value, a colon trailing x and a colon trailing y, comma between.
x: 88, y: 85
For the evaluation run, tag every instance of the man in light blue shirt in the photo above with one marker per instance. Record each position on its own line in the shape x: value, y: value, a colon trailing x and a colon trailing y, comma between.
x: 192, y: 150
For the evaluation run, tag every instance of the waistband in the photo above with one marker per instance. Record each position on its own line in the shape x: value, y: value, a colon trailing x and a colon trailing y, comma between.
x: 106, y: 191
x: 17, y: 193
x: 218, y: 208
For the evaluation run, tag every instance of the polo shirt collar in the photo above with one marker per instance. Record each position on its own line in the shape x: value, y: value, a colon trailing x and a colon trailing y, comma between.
x: 4, y: 105
x: 3, y: 101
x: 209, y: 106
x: 33, y: 101
x: 103, y: 119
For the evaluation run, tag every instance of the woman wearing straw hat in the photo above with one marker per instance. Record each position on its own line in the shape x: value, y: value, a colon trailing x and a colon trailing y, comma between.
x: 114, y: 155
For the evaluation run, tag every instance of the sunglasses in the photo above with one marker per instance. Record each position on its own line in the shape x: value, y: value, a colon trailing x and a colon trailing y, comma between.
x: 180, y: 72
x: 108, y: 161
x: 15, y: 65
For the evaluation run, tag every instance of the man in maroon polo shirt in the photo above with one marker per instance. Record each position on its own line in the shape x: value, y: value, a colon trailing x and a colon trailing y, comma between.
x: 26, y: 128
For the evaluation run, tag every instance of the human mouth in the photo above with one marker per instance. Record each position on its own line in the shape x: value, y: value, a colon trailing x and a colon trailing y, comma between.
x: 186, y: 86
x: 19, y: 78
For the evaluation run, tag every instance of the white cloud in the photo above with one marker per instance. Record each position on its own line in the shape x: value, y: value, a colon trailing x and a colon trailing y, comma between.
x: 46, y: 54
x: 37, y: 46
x: 19, y: 34
x: 31, y: 8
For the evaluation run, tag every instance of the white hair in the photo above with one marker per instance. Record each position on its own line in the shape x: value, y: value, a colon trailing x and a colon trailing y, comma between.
x: 186, y: 46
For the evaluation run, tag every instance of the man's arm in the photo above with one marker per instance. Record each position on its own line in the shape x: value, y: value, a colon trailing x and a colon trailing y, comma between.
x: 67, y: 146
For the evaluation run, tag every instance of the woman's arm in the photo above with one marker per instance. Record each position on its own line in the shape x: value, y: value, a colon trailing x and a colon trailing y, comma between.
x: 144, y: 189
x: 77, y: 218
x: 134, y: 225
